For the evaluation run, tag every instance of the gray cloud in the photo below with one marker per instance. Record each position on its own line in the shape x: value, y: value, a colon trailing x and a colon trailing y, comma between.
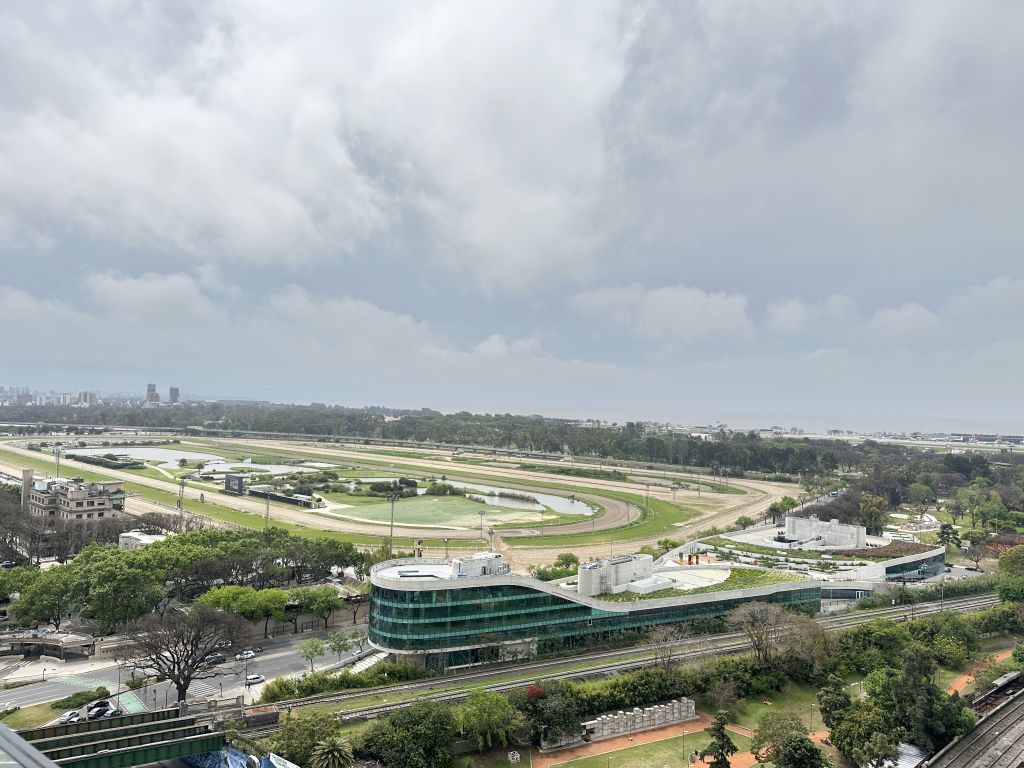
x: 540, y: 194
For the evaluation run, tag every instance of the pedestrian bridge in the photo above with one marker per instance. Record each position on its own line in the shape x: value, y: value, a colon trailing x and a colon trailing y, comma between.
x: 119, y: 742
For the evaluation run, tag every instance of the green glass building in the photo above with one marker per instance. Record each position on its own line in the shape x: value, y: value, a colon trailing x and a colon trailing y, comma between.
x: 422, y: 613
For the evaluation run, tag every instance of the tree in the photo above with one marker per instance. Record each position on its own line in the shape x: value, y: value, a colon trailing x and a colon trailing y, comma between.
x: 859, y: 723
x: 798, y: 751
x: 298, y: 737
x: 1011, y: 562
x: 948, y: 536
x: 339, y: 642
x: 567, y: 560
x: 178, y: 645
x: 833, y: 701
x: 745, y: 522
x: 721, y: 746
x: 357, y: 599
x: 976, y: 553
x: 266, y: 604
x: 974, y: 536
x: 878, y: 752
x: 874, y: 513
x: 487, y: 719
x: 311, y: 649
x: 49, y: 598
x: 332, y: 752
x: 419, y: 736
x: 764, y: 624
x: 772, y: 730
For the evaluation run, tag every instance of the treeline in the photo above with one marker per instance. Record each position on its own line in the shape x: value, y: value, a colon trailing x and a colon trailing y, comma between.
x: 728, y: 452
x: 113, y: 587
x: 985, y: 493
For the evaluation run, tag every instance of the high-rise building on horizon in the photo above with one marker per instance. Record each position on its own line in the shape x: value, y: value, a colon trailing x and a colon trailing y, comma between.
x: 174, y: 396
x: 152, y: 396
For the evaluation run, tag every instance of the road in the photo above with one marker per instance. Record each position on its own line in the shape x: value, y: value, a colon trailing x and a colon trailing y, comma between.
x: 279, y: 659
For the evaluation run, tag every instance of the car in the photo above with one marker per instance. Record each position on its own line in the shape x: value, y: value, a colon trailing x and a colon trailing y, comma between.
x: 114, y: 713
x: 216, y: 658
x: 224, y: 644
x: 244, y: 655
x: 100, y: 704
x: 70, y: 717
x: 96, y: 714
x: 253, y: 679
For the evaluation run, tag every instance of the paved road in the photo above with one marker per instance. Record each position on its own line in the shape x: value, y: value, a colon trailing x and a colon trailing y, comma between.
x: 280, y: 658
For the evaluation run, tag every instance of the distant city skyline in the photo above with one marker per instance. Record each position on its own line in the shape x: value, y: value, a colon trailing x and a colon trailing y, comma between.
x: 669, y: 211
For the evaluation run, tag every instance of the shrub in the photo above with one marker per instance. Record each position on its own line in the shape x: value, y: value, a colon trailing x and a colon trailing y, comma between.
x: 76, y: 700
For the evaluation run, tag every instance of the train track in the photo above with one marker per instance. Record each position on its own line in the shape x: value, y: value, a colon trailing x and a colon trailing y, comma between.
x: 997, y: 741
x: 732, y: 642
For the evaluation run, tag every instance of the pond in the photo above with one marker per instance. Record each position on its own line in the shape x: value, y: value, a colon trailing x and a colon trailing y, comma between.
x: 558, y: 503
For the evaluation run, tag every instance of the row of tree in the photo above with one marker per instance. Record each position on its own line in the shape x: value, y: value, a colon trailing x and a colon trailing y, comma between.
x: 631, y: 441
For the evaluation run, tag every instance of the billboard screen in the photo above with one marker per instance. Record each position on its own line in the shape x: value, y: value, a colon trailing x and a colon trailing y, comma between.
x: 234, y: 484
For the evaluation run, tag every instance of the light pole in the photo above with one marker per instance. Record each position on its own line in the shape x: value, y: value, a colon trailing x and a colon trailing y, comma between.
x: 446, y: 548
x: 481, y: 525
x: 392, y: 497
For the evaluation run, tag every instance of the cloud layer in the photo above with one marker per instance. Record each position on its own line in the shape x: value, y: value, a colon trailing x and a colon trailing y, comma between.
x: 603, y: 207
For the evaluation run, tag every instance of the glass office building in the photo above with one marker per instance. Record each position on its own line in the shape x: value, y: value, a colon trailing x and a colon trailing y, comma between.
x: 425, y: 610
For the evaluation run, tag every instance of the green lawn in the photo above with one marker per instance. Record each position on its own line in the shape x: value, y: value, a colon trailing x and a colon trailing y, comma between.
x: 800, y: 700
x: 671, y: 752
x: 31, y: 717
x: 454, y: 511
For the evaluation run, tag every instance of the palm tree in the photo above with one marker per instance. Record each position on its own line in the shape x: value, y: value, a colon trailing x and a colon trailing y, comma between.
x: 332, y: 752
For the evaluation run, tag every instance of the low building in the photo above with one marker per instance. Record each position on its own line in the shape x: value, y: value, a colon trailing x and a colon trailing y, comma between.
x: 443, y: 614
x: 133, y: 540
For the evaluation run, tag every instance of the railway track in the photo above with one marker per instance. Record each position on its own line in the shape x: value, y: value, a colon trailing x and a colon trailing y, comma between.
x: 621, y: 660
x: 996, y: 742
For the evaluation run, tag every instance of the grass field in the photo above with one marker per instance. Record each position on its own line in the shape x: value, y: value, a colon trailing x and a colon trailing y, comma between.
x: 31, y: 717
x: 667, y: 753
x: 452, y: 511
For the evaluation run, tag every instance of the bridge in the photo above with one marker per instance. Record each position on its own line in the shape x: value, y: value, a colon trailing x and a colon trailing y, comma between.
x: 119, y: 742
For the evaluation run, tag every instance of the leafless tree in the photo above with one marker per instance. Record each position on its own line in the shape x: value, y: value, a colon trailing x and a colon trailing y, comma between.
x: 663, y: 642
x: 764, y: 624
x: 178, y: 645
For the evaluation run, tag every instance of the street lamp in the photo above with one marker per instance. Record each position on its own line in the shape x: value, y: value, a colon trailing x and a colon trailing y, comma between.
x: 446, y: 547
x: 392, y: 497
x: 481, y: 525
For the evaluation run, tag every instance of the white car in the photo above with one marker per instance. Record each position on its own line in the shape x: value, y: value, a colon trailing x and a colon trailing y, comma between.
x: 254, y: 679
x: 243, y: 655
x: 70, y: 717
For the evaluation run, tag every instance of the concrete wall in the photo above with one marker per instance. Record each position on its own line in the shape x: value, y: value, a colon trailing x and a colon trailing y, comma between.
x: 832, y: 533
x: 611, y: 576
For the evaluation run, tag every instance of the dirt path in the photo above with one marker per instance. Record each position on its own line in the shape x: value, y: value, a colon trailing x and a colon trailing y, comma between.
x: 958, y: 685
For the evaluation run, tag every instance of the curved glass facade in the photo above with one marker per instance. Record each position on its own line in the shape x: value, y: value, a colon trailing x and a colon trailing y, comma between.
x: 448, y: 619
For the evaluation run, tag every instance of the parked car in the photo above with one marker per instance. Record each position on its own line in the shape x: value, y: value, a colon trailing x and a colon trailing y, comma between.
x: 244, y: 655
x: 101, y: 704
x: 114, y: 713
x: 96, y: 714
x: 216, y: 658
x: 254, y: 679
x: 224, y: 644
x: 70, y: 717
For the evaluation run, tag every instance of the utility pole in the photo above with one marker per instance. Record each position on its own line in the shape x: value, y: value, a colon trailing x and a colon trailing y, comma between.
x: 181, y: 495
x: 446, y: 548
x: 266, y: 513
x: 57, y: 451
x: 481, y: 525
x: 393, y: 497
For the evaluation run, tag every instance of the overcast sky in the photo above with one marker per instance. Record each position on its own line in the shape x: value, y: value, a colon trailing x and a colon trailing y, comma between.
x: 803, y: 213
